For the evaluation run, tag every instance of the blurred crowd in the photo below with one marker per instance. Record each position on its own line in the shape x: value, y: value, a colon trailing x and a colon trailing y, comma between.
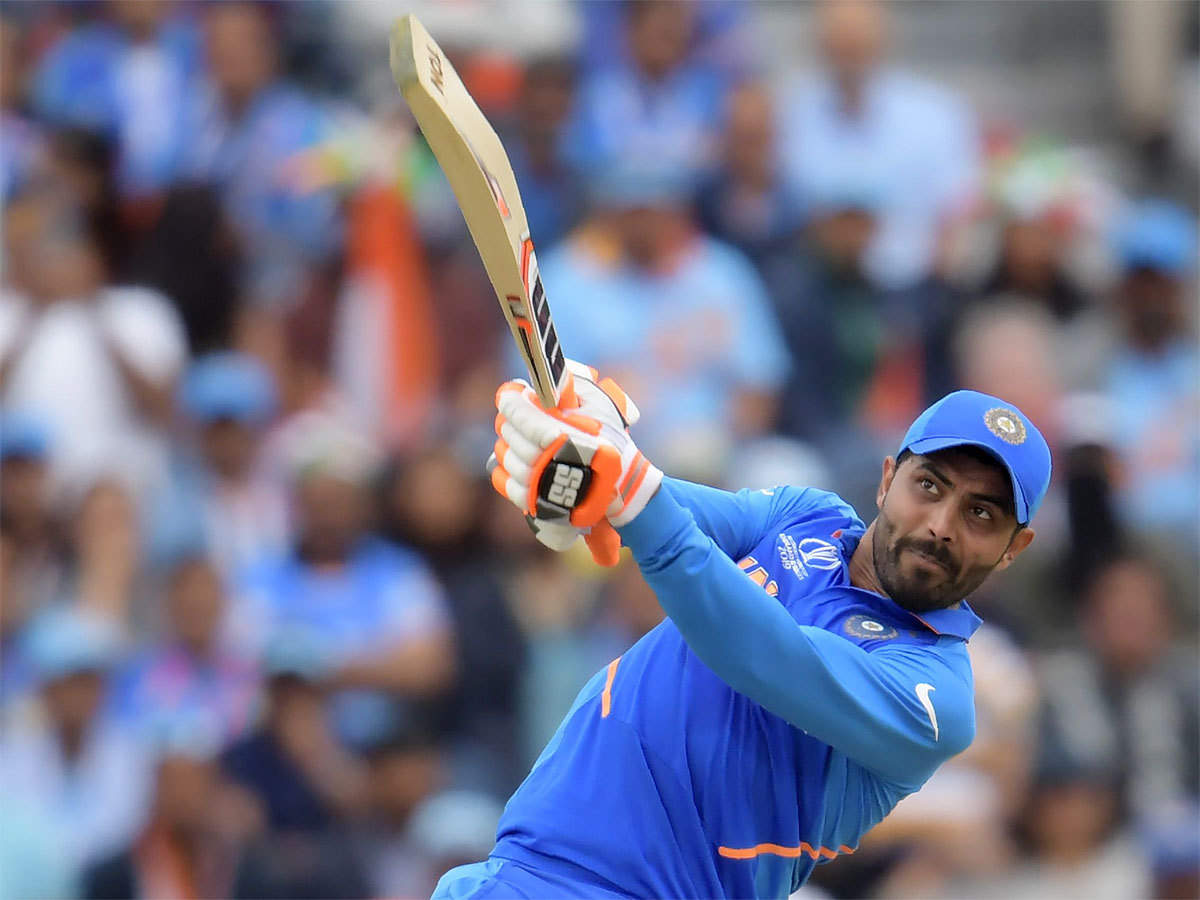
x: 265, y: 631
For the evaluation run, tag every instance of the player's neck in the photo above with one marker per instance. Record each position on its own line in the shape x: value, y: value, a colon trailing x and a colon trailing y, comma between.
x: 862, y: 565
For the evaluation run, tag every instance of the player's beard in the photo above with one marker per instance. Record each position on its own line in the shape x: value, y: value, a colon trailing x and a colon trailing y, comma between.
x: 914, y: 593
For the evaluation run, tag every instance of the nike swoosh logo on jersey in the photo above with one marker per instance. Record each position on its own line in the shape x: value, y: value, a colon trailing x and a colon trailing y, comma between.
x: 923, y: 689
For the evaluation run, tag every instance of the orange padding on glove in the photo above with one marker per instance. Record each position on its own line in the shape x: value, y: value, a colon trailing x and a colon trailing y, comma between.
x: 605, y: 544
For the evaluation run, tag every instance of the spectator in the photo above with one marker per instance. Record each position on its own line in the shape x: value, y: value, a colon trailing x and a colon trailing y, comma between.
x: 78, y: 171
x: 96, y: 363
x: 1077, y: 849
x: 188, y: 680
x: 661, y: 104
x: 66, y: 757
x: 292, y: 765
x: 20, y: 136
x: 678, y: 319
x: 375, y: 608
x: 182, y: 850
x: 550, y: 192
x: 553, y: 606
x: 912, y: 141
x: 405, y: 768
x: 438, y: 508
x: 133, y: 76
x: 220, y: 502
x: 1127, y: 702
x: 836, y: 322
x: 91, y: 567
x: 190, y: 253
x: 1038, y: 245
x: 1153, y: 380
x: 253, y: 124
x: 723, y: 35
x: 747, y: 203
x: 34, y: 572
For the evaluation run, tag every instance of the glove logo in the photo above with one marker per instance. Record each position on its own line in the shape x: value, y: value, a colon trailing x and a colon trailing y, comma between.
x: 564, y: 490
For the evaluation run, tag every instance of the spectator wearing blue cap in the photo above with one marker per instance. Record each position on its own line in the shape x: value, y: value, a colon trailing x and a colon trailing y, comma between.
x: 220, y: 501
x: 655, y: 302
x: 1153, y: 380
x: 67, y: 756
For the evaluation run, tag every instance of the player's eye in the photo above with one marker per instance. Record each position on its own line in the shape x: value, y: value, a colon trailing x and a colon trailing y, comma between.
x: 981, y: 512
x: 927, y: 484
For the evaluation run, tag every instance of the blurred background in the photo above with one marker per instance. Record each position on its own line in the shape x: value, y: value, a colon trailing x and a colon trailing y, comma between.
x: 266, y: 632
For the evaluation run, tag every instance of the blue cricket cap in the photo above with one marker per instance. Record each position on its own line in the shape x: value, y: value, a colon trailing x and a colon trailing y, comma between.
x: 972, y: 419
x: 1158, y: 235
x: 228, y: 386
x: 23, y: 435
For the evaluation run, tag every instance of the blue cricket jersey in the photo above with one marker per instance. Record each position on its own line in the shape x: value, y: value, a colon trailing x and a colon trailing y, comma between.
x: 774, y: 717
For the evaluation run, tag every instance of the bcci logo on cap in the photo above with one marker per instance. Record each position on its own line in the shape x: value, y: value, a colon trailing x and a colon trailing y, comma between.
x: 1005, y: 424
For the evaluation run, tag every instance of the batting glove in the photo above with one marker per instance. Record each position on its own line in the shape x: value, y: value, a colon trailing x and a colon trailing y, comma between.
x: 574, y: 467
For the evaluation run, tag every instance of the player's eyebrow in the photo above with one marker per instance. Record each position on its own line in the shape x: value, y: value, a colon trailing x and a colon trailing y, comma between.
x: 1001, y: 503
x: 937, y: 473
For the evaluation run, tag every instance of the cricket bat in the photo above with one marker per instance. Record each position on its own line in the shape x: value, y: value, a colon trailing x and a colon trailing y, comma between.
x: 471, y: 155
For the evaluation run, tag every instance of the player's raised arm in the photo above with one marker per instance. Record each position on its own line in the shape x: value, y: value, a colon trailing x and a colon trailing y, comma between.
x: 737, y: 521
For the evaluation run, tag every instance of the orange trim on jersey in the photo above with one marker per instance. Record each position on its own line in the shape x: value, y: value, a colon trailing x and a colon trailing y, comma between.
x: 747, y: 563
x: 606, y: 694
x: 779, y: 850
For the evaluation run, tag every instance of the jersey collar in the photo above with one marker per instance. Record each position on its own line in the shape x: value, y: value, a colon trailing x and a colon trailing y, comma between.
x: 957, y: 621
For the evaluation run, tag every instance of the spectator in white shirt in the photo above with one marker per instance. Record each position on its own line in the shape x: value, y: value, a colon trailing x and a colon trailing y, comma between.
x: 62, y: 755
x: 857, y: 119
x: 95, y: 362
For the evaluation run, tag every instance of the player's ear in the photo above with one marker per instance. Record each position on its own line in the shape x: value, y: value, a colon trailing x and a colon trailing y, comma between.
x: 885, y: 482
x: 1021, y: 540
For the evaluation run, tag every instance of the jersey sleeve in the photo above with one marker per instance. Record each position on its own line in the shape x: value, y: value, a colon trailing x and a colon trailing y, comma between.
x: 736, y: 522
x: 899, y: 712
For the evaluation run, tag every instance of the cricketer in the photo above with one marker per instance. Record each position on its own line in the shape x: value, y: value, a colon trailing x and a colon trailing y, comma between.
x: 812, y: 670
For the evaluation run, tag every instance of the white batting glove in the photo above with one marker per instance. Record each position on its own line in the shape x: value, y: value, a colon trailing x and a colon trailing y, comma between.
x: 575, y: 465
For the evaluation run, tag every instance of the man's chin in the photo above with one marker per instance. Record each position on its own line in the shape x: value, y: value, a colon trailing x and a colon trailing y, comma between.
x: 922, y: 599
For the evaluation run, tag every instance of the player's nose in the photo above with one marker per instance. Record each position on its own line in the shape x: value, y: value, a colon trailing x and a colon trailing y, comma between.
x: 942, y: 522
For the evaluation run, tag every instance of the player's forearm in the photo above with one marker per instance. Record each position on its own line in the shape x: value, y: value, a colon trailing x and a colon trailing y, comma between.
x: 735, y: 521
x: 726, y: 619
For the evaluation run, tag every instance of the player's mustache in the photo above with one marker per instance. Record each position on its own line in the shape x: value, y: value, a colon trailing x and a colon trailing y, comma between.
x: 929, y: 548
